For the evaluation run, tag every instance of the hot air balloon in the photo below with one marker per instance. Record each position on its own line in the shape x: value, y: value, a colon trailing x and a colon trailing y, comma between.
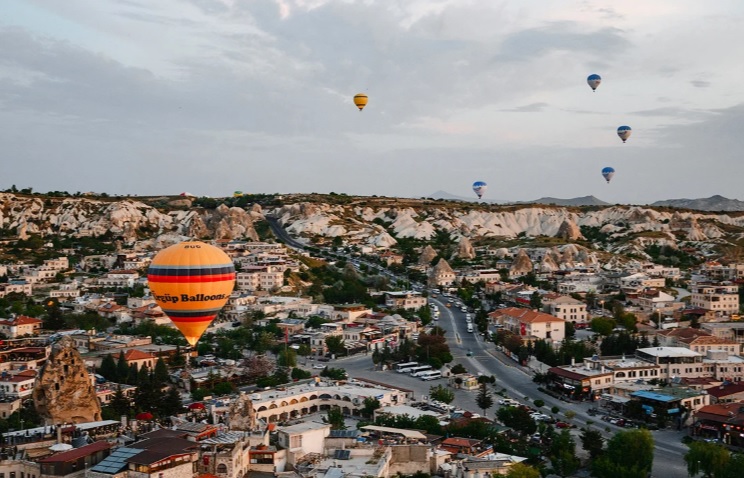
x: 238, y: 194
x: 360, y: 100
x: 191, y: 281
x: 479, y: 187
x: 624, y: 132
x: 608, y: 172
x: 594, y: 81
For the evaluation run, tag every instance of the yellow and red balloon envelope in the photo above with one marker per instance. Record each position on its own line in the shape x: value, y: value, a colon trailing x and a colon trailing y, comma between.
x: 191, y: 281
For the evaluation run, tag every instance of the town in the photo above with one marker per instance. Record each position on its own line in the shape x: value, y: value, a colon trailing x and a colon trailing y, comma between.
x: 333, y: 358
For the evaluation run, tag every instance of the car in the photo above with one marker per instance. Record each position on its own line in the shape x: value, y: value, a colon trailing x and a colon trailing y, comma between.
x: 470, y: 353
x: 562, y: 425
x: 318, y: 366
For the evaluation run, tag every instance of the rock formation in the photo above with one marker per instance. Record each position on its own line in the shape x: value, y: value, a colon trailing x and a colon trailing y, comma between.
x: 64, y: 392
x: 465, y: 249
x: 522, y: 264
x: 569, y: 231
x: 427, y: 255
x: 442, y: 273
x: 241, y: 414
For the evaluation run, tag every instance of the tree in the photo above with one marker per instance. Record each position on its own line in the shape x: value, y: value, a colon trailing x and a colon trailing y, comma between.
x: 122, y: 368
x: 287, y: 358
x: 562, y: 454
x: 518, y: 419
x: 171, y: 403
x: 602, y: 326
x: 520, y: 470
x: 484, y: 398
x: 441, y: 394
x: 334, y: 373
x: 161, y: 372
x: 132, y: 374
x: 629, y: 454
x: 710, y: 459
x: 119, y: 403
x: 536, y: 301
x: 592, y: 442
x: 108, y: 369
x: 335, y: 418
x: 335, y: 344
x: 370, y: 405
x: 304, y: 350
x: 458, y: 369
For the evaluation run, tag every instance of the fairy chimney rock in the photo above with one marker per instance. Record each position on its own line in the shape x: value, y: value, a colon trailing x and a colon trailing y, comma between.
x: 569, y: 231
x: 64, y: 392
x: 465, y: 249
x: 522, y: 264
x: 427, y: 255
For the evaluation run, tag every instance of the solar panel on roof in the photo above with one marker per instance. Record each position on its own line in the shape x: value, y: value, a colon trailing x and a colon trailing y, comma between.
x: 344, y: 433
x: 116, y: 461
x: 342, y: 454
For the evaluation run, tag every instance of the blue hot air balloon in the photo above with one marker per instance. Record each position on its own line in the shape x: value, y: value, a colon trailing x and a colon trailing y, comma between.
x: 624, y: 132
x: 479, y: 187
x: 594, y: 81
x: 608, y: 172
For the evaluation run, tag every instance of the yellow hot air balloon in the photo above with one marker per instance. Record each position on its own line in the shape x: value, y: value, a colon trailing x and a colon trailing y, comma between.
x: 191, y: 282
x: 360, y: 100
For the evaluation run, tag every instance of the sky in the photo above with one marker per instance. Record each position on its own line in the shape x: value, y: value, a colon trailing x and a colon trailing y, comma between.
x: 213, y: 96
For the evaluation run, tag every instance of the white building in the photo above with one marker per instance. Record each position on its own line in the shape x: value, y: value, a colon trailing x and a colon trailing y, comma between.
x: 566, y: 308
x: 721, y: 298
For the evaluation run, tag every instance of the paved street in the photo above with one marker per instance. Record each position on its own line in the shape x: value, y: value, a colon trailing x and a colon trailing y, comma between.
x: 668, y: 462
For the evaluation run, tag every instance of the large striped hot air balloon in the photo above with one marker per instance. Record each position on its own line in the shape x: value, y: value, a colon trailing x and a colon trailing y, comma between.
x: 191, y: 282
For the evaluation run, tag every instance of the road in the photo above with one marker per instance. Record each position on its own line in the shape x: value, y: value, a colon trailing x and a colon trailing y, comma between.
x: 515, y: 379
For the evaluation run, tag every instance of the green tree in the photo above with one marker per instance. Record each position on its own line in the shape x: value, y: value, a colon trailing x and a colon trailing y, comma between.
x: 304, y: 350
x: 161, y: 372
x: 562, y: 454
x: 119, y: 403
x: 264, y: 341
x: 299, y: 374
x: 334, y: 373
x: 536, y: 301
x: 518, y: 419
x: 335, y: 344
x: 335, y: 418
x: 108, y: 369
x: 458, y: 369
x: 441, y: 394
x: 629, y: 454
x: 287, y: 358
x: 370, y: 405
x: 171, y: 403
x: 710, y: 459
x: 132, y: 374
x: 520, y: 470
x: 602, y: 326
x: 122, y: 368
x: 484, y: 398
x: 592, y: 442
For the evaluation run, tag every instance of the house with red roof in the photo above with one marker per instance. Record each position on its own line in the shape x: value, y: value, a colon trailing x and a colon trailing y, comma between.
x: 20, y: 326
x: 530, y: 324
x: 140, y: 358
x: 20, y: 385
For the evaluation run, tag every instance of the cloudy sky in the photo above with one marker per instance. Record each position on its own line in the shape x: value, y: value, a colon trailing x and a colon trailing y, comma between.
x: 211, y: 96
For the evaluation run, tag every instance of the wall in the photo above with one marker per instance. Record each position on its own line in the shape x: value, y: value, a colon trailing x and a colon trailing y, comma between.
x: 409, y: 459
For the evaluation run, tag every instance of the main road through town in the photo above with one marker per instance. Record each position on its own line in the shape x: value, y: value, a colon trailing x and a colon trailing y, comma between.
x: 516, y: 380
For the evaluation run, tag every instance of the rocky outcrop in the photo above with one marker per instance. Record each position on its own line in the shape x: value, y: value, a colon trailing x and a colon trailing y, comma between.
x: 126, y: 218
x: 427, y: 255
x: 569, y: 231
x: 64, y: 392
x: 241, y: 414
x: 465, y: 249
x: 522, y: 264
x: 441, y: 273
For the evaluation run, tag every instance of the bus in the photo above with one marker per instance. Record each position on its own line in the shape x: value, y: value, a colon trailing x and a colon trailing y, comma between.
x: 404, y: 367
x: 416, y: 371
x: 430, y: 375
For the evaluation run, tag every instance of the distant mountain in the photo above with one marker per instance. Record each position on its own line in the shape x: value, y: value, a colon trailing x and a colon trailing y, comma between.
x: 582, y: 201
x: 713, y: 203
x: 451, y: 197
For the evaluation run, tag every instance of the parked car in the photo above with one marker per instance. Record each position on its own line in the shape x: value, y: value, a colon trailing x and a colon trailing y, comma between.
x: 562, y: 425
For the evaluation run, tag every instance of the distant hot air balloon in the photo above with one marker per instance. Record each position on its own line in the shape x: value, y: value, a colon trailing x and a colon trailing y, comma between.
x: 479, y: 187
x: 191, y: 281
x: 237, y: 194
x: 594, y: 81
x: 608, y: 172
x: 624, y: 132
x: 360, y: 100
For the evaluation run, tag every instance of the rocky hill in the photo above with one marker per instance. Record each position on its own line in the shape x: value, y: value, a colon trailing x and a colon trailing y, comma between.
x: 377, y: 221
x: 713, y: 203
x: 128, y: 219
x: 582, y: 201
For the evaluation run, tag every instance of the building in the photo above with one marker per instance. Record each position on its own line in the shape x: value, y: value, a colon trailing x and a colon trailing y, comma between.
x: 119, y: 278
x: 697, y: 340
x: 140, y: 358
x: 254, y: 278
x: 163, y: 457
x: 721, y: 298
x: 20, y: 326
x: 566, y: 308
x: 408, y: 300
x: 530, y: 324
x: 720, y: 421
x: 303, y: 438
x: 76, y: 460
x: 20, y: 385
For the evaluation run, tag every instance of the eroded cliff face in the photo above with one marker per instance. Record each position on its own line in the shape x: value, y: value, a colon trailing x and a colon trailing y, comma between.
x: 64, y: 392
x: 130, y: 219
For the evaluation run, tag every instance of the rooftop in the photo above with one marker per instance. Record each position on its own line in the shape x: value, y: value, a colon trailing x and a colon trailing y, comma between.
x: 77, y: 453
x: 668, y: 352
x: 303, y: 427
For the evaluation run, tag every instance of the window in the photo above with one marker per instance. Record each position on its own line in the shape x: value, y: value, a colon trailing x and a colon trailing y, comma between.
x: 221, y: 468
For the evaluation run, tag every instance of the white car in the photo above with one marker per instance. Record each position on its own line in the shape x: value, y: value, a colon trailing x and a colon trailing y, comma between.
x: 318, y: 366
